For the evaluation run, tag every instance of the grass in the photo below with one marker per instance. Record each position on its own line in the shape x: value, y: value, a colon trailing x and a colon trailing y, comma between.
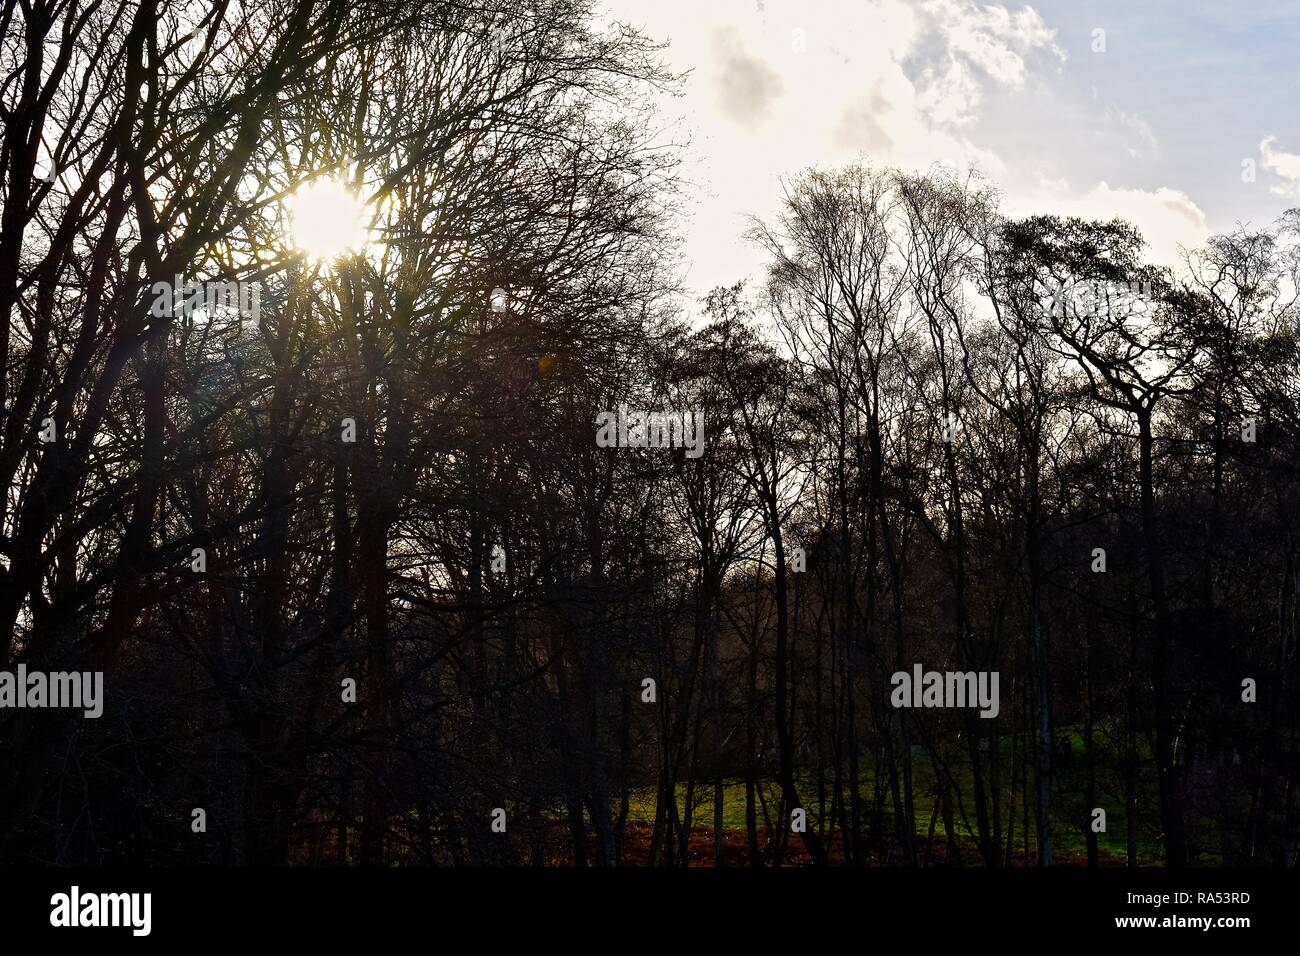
x: 1069, y: 812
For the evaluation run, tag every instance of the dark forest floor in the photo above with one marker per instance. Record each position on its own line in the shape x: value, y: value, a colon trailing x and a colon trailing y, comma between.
x: 736, y: 851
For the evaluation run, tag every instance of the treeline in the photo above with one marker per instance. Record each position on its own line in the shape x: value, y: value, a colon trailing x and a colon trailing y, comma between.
x: 358, y: 574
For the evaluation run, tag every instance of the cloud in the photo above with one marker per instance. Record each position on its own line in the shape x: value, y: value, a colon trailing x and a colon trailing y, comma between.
x: 1166, y: 217
x: 950, y: 98
x: 1284, y: 165
x: 930, y: 68
x: 861, y: 128
x: 747, y: 86
x: 923, y: 78
x: 992, y: 39
x: 1131, y: 121
x: 906, y: 83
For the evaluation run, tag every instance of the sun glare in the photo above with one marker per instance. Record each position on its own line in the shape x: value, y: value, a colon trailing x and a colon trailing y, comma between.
x: 327, y: 220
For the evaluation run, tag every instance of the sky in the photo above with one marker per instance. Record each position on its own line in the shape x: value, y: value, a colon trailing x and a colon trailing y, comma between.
x: 1178, y: 115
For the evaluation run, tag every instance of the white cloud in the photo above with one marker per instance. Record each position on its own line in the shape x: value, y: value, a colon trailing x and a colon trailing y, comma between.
x: 950, y: 98
x: 1167, y: 218
x: 1285, y: 165
x: 991, y: 38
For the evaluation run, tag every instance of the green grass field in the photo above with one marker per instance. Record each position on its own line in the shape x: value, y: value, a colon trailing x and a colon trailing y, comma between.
x: 1069, y: 814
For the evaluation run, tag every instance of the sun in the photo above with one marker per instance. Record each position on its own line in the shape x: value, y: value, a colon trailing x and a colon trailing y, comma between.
x: 327, y: 220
